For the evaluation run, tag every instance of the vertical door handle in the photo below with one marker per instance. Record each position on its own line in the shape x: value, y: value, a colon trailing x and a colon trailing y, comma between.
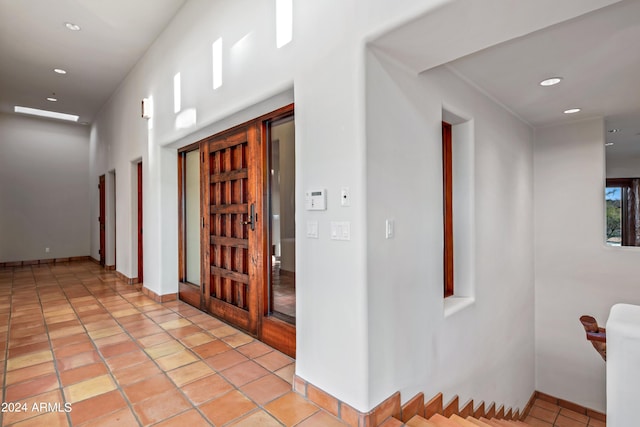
x: 252, y: 217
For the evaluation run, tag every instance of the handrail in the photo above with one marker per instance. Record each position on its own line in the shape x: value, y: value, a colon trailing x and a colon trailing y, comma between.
x: 595, y: 334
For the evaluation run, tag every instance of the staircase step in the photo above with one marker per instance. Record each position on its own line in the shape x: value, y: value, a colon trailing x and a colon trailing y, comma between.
x: 461, y: 421
x: 477, y: 422
x: 442, y: 421
x: 418, y: 421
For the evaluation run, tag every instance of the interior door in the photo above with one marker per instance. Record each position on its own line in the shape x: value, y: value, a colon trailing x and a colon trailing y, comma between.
x: 231, y: 252
x: 102, y: 219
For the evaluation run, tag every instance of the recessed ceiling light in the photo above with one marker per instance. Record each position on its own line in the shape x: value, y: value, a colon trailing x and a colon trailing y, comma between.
x: 572, y: 111
x: 71, y: 26
x: 608, y: 144
x: 46, y: 113
x: 52, y: 99
x: 60, y: 71
x: 551, y: 81
x: 614, y: 130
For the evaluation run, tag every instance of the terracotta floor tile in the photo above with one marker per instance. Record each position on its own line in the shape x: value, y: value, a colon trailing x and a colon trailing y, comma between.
x: 136, y: 373
x: 66, y: 332
x: 161, y: 406
x: 223, y: 331
x: 291, y: 408
x: 184, y: 331
x: 596, y: 423
x: 73, y: 349
x: 225, y: 360
x: 29, y: 360
x: 254, y: 349
x: 287, y: 373
x: 26, y: 349
x: 535, y: 422
x: 322, y: 419
x: 258, y: 418
x: 164, y: 349
x: 97, y: 407
x: 117, y: 349
x: 236, y: 340
x: 244, y: 373
x: 77, y: 360
x: 274, y: 360
x: 24, y: 374
x: 189, y: 373
x: 266, y: 389
x: 53, y: 397
x: 155, y: 339
x: 49, y: 419
x: 126, y: 360
x: 174, y: 324
x: 211, y: 348
x: 113, y: 339
x: 89, y: 388
x: 206, y: 389
x: 564, y: 421
x: 227, y: 408
x: 190, y: 418
x: 106, y: 332
x: 543, y: 414
x: 82, y: 373
x: 196, y: 339
x: 574, y: 415
x: 70, y: 340
x: 176, y: 360
x: 123, y: 417
x: 31, y: 387
x: 148, y: 388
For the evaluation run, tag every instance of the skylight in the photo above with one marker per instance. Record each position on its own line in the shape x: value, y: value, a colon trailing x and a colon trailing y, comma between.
x: 46, y: 113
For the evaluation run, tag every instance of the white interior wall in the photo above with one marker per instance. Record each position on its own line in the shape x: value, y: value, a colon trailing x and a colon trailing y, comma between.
x: 336, y: 349
x: 414, y: 346
x: 44, y: 190
x: 575, y: 272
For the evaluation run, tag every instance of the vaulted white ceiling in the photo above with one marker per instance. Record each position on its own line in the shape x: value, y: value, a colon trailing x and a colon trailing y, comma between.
x: 34, y: 40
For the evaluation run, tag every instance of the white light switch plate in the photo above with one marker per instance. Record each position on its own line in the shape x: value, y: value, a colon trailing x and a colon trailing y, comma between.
x: 312, y: 229
x: 340, y: 230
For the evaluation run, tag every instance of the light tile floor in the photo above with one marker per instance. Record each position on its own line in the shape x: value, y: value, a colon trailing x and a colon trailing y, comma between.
x: 546, y: 414
x: 78, y: 347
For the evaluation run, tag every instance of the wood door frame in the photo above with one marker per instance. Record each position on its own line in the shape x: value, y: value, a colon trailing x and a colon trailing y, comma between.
x: 267, y: 328
x: 273, y: 330
x: 102, y: 222
x: 140, y: 225
x: 187, y: 292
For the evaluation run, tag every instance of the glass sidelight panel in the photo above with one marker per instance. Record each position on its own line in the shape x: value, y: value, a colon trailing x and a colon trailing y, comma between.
x: 192, y: 216
x: 282, y: 283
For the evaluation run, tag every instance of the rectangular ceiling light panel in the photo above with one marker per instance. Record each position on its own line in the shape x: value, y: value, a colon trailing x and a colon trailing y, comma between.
x: 46, y: 113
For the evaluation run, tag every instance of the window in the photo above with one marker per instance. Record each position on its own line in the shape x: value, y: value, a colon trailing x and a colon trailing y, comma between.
x: 189, y: 236
x: 622, y: 204
x: 447, y: 203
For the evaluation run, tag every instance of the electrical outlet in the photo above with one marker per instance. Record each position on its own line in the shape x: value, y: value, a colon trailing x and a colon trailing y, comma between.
x: 46, y: 250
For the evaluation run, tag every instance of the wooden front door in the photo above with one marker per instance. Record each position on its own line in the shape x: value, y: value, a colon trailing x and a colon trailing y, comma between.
x: 102, y: 219
x: 232, y: 253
